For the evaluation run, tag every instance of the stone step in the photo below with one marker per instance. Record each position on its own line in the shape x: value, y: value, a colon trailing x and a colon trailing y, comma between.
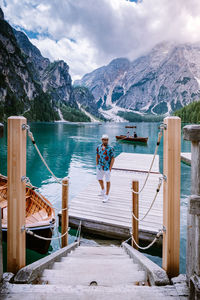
x: 97, y: 255
x: 100, y: 250
x: 85, y: 277
x: 91, y: 258
x: 100, y: 266
x: 51, y: 292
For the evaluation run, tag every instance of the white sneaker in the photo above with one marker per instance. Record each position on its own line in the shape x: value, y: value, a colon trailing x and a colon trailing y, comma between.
x: 102, y: 193
x: 106, y: 198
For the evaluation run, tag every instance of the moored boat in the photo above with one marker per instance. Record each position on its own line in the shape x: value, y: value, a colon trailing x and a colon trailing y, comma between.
x: 132, y: 139
x: 128, y: 126
x: 40, y: 217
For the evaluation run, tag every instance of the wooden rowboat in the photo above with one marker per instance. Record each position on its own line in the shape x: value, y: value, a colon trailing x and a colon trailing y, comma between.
x: 40, y: 217
x: 132, y: 139
x: 128, y: 126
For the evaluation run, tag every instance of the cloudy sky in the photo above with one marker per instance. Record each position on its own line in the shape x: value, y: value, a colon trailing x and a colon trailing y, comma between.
x: 90, y: 33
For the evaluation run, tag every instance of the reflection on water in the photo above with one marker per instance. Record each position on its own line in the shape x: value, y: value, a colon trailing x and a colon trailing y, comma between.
x: 70, y: 150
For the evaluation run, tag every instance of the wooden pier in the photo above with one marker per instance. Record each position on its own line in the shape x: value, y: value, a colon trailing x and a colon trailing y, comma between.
x: 113, y: 219
x: 119, y: 272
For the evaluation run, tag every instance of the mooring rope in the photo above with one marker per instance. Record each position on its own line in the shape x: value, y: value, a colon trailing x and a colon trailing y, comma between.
x: 30, y: 134
x: 78, y: 234
x: 160, y: 232
x: 29, y: 184
x: 152, y: 203
x: 154, y: 156
x: 44, y: 238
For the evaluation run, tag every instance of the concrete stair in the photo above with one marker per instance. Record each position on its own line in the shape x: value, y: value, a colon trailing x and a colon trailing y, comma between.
x: 92, y: 273
x: 101, y: 266
x: 123, y: 292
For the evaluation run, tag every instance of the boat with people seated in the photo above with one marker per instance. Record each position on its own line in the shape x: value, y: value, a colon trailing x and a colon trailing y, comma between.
x: 132, y: 139
x: 40, y: 217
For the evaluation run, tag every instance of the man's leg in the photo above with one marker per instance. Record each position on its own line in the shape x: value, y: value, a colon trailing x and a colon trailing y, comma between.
x: 107, y: 175
x: 101, y: 184
x: 100, y: 180
x: 107, y: 187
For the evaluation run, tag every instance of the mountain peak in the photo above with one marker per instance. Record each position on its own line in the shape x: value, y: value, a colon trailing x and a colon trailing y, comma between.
x: 162, y: 81
x: 119, y: 61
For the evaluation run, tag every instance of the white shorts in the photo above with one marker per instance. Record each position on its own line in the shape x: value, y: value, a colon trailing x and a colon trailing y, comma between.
x: 101, y: 173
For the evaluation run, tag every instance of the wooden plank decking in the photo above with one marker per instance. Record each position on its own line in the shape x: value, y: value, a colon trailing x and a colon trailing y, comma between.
x: 113, y: 219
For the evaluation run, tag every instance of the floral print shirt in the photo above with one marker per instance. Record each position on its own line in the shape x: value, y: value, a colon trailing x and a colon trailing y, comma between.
x: 104, y: 156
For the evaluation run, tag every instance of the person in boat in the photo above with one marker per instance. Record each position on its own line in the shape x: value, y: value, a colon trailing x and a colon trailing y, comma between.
x: 104, y: 162
x: 128, y: 134
x: 135, y: 135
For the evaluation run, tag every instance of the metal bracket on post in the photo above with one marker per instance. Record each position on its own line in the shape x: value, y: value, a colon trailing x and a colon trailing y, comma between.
x: 23, y: 178
x: 23, y: 228
x: 163, y: 126
x: 165, y: 178
x: 24, y: 126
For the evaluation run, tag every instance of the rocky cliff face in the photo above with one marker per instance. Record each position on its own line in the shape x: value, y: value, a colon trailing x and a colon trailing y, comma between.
x: 34, y: 57
x: 54, y: 77
x: 160, y: 82
x: 84, y: 98
x: 103, y: 81
x: 30, y: 84
x: 57, y: 82
x: 17, y: 86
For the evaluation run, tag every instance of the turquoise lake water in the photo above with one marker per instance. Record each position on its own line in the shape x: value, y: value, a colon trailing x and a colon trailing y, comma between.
x: 69, y: 150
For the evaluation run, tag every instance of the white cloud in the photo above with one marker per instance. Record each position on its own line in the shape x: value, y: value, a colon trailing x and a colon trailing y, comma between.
x: 103, y: 29
x: 79, y: 56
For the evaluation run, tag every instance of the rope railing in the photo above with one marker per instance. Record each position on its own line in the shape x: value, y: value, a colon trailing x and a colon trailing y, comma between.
x: 152, y: 203
x: 154, y: 156
x: 30, y: 134
x: 44, y: 238
x: 160, y: 232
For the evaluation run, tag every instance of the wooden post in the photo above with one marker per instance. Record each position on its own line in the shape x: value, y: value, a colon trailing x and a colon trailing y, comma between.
x: 16, y: 247
x: 135, y: 210
x: 64, y: 223
x: 1, y: 251
x: 171, y: 195
x: 192, y: 133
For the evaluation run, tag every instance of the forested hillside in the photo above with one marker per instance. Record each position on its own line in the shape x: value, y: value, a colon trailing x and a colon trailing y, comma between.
x: 190, y: 113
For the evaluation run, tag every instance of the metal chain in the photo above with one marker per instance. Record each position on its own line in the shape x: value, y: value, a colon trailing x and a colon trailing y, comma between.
x: 152, y: 203
x: 160, y: 232
x: 154, y: 156
x: 30, y: 134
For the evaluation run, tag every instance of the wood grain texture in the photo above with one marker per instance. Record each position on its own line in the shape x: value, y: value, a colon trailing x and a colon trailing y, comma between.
x: 65, y: 211
x: 135, y: 210
x: 16, y: 248
x: 171, y: 201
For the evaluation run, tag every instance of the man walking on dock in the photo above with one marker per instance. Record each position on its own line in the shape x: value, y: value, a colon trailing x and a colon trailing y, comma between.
x: 104, y: 161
